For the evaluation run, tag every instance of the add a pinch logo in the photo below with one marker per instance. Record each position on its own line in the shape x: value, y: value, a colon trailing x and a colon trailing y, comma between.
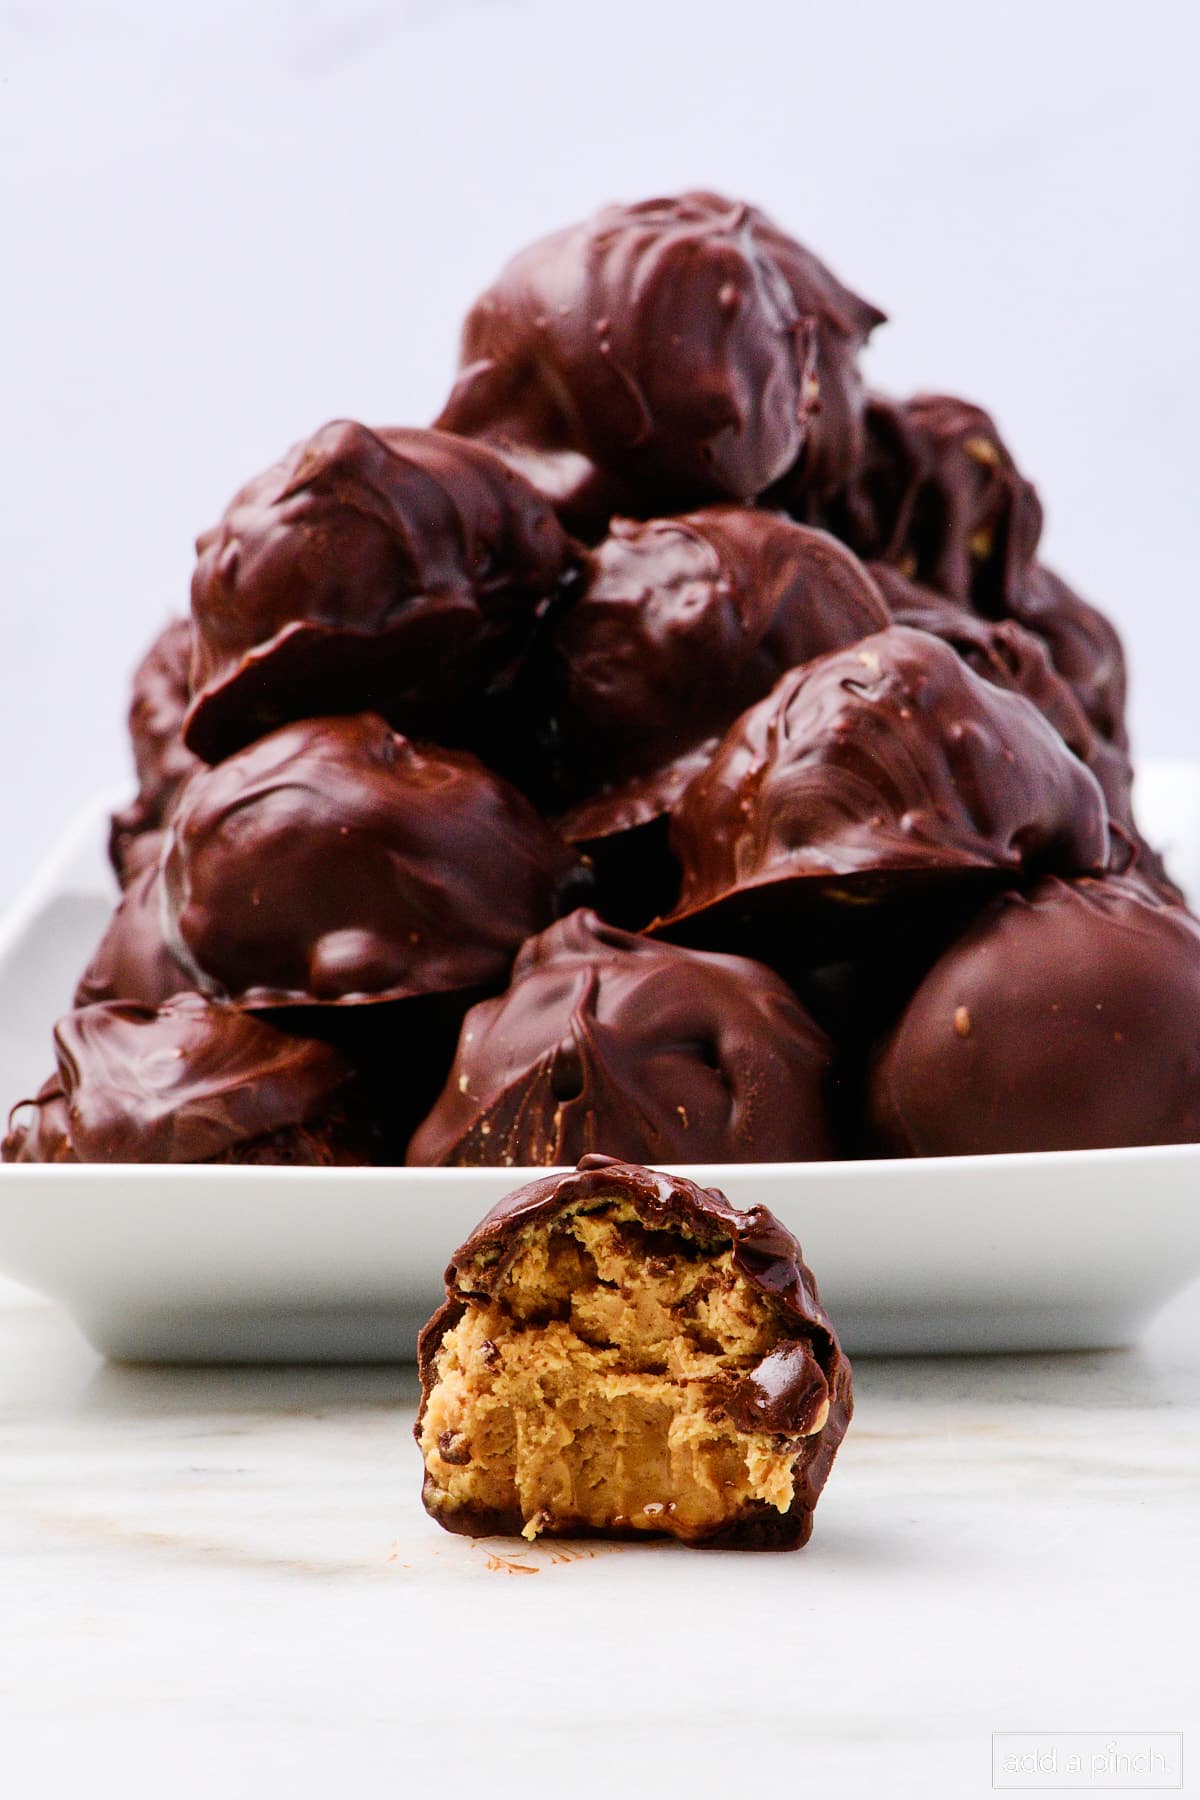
x: 1091, y: 1761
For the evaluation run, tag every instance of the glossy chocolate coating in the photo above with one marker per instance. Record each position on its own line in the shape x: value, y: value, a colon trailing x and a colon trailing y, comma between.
x: 190, y: 1082
x: 338, y: 863
x: 877, y: 765
x: 133, y: 854
x: 1084, y: 647
x: 781, y: 1394
x: 663, y: 354
x: 1003, y: 652
x: 396, y: 570
x: 161, y: 759
x: 606, y: 1040
x: 681, y: 624
x: 132, y: 960
x: 1067, y: 1018
x: 39, y: 1130
x: 938, y: 495
x: 1009, y: 655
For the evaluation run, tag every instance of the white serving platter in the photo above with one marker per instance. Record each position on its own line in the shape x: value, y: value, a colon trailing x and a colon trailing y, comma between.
x: 1067, y: 1250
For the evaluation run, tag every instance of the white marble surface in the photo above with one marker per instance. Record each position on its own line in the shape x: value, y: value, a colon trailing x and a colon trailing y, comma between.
x: 222, y: 1583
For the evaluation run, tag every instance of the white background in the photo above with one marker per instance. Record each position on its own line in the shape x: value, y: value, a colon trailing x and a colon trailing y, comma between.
x: 223, y: 223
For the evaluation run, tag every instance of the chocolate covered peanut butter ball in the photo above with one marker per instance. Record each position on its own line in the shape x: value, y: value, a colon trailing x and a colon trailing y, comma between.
x: 186, y: 1082
x: 624, y: 1354
x: 393, y: 570
x: 869, y: 771
x: 938, y: 496
x: 338, y: 863
x: 681, y: 624
x: 607, y: 1040
x: 1065, y: 1018
x: 665, y: 354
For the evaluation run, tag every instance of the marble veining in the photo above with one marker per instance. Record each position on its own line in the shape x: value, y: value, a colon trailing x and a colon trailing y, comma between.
x: 222, y: 1581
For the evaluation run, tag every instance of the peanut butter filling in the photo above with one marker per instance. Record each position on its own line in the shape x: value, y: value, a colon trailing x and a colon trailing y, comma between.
x: 586, y: 1391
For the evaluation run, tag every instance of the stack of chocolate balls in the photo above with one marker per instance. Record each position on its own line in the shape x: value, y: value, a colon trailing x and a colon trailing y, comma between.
x: 677, y: 752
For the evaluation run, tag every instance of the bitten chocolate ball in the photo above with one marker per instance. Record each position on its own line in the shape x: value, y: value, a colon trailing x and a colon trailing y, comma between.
x: 609, y: 1040
x: 624, y: 1354
x: 393, y: 570
x: 188, y: 1082
x: 161, y: 759
x: 133, y: 960
x: 661, y: 355
x: 681, y: 624
x: 938, y: 495
x: 870, y: 769
x: 338, y: 863
x: 1067, y: 1018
